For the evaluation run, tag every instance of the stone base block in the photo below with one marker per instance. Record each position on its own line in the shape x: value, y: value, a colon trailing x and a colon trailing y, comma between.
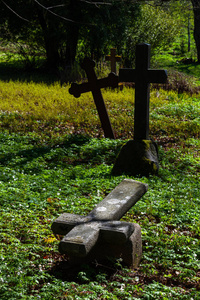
x: 130, y: 251
x: 137, y: 158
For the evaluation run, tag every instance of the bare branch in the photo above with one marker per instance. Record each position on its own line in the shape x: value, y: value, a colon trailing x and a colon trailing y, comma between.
x: 59, y: 16
x: 55, y: 6
x: 96, y: 3
x: 14, y: 12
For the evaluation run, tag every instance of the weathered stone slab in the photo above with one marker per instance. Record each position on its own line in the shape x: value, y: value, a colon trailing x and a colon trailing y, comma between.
x: 66, y: 222
x: 119, y: 201
x: 102, y: 225
x: 116, y: 232
x: 80, y: 240
x: 130, y: 251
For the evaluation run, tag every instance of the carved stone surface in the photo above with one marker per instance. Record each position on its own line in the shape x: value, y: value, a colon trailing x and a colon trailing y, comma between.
x: 101, y: 228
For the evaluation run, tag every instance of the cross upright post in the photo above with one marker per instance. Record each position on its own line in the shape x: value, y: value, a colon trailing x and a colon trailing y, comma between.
x: 140, y: 155
x: 142, y: 76
x: 94, y: 85
x: 113, y: 58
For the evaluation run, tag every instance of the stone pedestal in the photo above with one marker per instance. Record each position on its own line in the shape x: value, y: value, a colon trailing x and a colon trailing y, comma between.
x: 138, y: 157
x: 130, y: 251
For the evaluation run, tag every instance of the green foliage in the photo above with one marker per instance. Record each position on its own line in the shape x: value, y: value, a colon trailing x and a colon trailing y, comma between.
x: 60, y: 31
x: 39, y: 182
x: 109, y: 28
x: 44, y: 173
x: 53, y: 161
x: 154, y: 26
x: 30, y: 107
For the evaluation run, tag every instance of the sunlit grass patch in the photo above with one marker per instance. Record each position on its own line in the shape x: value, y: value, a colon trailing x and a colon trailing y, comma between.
x: 38, y: 107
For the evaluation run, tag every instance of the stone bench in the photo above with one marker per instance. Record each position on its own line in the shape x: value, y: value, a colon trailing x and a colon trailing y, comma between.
x: 100, y: 234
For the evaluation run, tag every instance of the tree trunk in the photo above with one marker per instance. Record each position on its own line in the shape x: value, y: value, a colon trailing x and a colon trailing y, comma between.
x: 52, y: 53
x: 71, y: 46
x: 72, y: 32
x: 196, y: 10
x: 50, y: 41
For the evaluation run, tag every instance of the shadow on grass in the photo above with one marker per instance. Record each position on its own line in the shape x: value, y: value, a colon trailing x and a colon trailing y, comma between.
x: 22, y: 157
x: 83, y: 273
x: 69, y: 151
x: 16, y: 72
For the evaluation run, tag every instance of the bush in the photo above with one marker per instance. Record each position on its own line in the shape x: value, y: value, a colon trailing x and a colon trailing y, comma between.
x: 154, y: 26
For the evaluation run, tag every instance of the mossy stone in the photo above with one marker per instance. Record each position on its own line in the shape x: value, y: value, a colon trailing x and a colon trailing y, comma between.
x: 137, y: 158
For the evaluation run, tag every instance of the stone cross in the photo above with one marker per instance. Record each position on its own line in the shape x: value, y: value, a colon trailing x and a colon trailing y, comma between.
x: 94, y: 85
x: 113, y: 58
x: 101, y: 227
x: 142, y: 76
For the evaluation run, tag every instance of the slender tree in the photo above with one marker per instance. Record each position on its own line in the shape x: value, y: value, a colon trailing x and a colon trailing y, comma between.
x: 196, y: 10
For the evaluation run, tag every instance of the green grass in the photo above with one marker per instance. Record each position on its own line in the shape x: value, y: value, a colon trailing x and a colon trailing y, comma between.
x: 47, y: 172
x: 54, y: 159
x: 51, y: 111
x: 39, y: 182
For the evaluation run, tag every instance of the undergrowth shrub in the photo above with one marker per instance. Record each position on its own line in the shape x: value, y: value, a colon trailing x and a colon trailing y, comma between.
x: 181, y: 83
x: 155, y: 26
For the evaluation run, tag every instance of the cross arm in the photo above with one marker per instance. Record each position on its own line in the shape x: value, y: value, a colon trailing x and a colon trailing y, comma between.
x: 110, y: 81
x: 116, y: 232
x: 119, y: 201
x: 117, y: 58
x: 66, y: 222
x: 82, y: 238
x: 156, y: 76
x: 77, y: 89
x: 148, y: 76
x: 127, y: 75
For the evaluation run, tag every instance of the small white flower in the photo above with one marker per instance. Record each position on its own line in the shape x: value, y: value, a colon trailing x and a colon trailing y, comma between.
x: 137, y: 278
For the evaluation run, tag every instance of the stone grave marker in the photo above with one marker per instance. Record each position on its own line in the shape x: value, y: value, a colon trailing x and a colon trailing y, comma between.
x: 95, y: 85
x: 113, y: 58
x: 100, y: 234
x: 139, y: 156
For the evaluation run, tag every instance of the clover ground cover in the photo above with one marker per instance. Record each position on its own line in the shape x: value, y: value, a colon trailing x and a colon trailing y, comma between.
x: 52, y: 161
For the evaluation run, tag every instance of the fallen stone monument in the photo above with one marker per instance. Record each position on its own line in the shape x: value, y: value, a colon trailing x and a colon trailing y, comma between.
x: 101, y: 234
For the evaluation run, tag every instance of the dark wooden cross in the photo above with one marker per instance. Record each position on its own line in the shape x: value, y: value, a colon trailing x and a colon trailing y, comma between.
x: 94, y: 85
x: 113, y: 58
x: 142, y: 76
